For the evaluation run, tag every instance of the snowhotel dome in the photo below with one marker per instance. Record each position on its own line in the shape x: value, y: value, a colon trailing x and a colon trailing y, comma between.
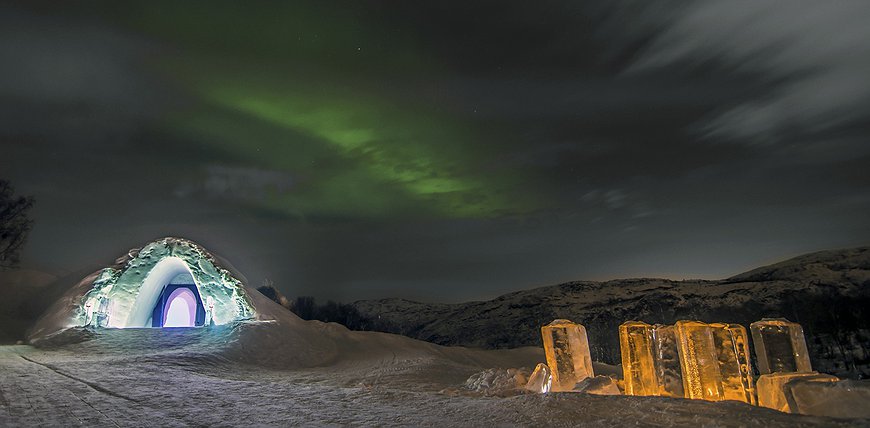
x: 171, y: 282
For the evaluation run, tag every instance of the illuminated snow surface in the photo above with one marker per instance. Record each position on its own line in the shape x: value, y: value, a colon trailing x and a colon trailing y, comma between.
x: 293, y: 372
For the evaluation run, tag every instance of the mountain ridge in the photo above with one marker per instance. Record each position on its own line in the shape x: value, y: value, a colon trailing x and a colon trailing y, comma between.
x: 826, y: 291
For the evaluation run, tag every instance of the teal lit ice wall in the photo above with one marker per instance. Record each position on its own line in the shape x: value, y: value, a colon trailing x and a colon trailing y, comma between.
x: 123, y: 296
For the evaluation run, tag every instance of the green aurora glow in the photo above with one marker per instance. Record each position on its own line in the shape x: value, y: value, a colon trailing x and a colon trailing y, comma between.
x: 300, y: 103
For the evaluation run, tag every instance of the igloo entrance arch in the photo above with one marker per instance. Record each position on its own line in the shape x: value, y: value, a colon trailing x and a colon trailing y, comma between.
x: 181, y: 308
x: 168, y: 283
x: 168, y: 286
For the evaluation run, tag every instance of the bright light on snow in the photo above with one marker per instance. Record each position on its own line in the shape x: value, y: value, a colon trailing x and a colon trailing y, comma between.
x: 182, y: 309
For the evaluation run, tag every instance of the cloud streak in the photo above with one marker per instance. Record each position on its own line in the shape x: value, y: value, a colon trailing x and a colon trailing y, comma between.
x: 238, y: 183
x: 816, y: 56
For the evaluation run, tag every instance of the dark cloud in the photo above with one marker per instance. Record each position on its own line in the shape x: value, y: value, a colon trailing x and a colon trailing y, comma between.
x: 73, y: 79
x: 817, y: 56
x: 233, y: 183
x: 591, y: 134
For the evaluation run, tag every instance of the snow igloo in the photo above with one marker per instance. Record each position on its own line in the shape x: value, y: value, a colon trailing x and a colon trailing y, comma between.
x: 171, y: 282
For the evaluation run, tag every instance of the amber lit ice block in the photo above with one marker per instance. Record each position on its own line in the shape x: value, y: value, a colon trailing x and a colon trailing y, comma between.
x: 732, y: 348
x: 780, y: 346
x: 772, y: 391
x: 702, y: 379
x: 638, y: 363
x: 666, y: 358
x: 567, y: 349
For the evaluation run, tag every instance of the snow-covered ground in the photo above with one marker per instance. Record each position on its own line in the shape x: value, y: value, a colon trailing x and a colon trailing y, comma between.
x: 293, y: 372
x: 278, y: 370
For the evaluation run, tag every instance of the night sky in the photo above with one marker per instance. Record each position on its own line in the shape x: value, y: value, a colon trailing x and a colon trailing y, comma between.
x: 442, y: 151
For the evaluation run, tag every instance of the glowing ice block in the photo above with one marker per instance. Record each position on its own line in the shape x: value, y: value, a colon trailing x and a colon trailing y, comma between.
x: 772, y: 388
x: 780, y: 346
x: 567, y: 349
x: 732, y: 353
x: 638, y: 363
x: 699, y: 361
x: 666, y: 356
x: 540, y: 380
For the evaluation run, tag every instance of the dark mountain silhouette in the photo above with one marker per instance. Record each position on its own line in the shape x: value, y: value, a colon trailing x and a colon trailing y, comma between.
x: 827, y: 292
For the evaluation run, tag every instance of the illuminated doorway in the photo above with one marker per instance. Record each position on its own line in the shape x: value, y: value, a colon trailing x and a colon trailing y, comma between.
x: 179, y: 305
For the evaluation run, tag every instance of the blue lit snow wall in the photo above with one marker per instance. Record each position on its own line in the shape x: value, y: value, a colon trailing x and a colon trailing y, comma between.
x: 130, y: 296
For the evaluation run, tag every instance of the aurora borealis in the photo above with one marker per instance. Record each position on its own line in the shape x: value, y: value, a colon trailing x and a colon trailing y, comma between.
x: 440, y: 151
x: 312, y: 97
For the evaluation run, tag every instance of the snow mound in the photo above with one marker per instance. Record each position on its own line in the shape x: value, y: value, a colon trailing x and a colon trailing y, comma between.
x: 123, y: 294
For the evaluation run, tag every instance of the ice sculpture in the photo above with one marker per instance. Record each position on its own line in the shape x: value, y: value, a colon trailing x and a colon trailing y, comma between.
x: 780, y: 346
x: 772, y: 388
x: 734, y: 367
x: 691, y: 359
x: 714, y: 361
x: 540, y: 380
x: 667, y: 361
x: 638, y: 363
x: 125, y: 295
x: 699, y: 361
x: 97, y: 312
x: 567, y: 349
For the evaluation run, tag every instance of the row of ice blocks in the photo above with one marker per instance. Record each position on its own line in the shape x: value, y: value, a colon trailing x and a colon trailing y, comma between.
x: 708, y: 361
x: 689, y: 359
x: 704, y: 361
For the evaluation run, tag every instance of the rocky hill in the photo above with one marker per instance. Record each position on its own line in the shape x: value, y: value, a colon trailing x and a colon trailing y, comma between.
x: 827, y: 292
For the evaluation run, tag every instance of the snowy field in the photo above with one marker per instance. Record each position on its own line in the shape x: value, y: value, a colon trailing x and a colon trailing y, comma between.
x: 309, y: 373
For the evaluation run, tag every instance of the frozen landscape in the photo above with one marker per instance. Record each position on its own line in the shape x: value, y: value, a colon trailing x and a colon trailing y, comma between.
x: 261, y: 364
x: 827, y: 292
x: 294, y: 372
x: 439, y: 213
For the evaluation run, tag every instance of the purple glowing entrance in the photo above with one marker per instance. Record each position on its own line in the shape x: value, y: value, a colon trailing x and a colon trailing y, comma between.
x: 178, y: 305
x: 180, y: 309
